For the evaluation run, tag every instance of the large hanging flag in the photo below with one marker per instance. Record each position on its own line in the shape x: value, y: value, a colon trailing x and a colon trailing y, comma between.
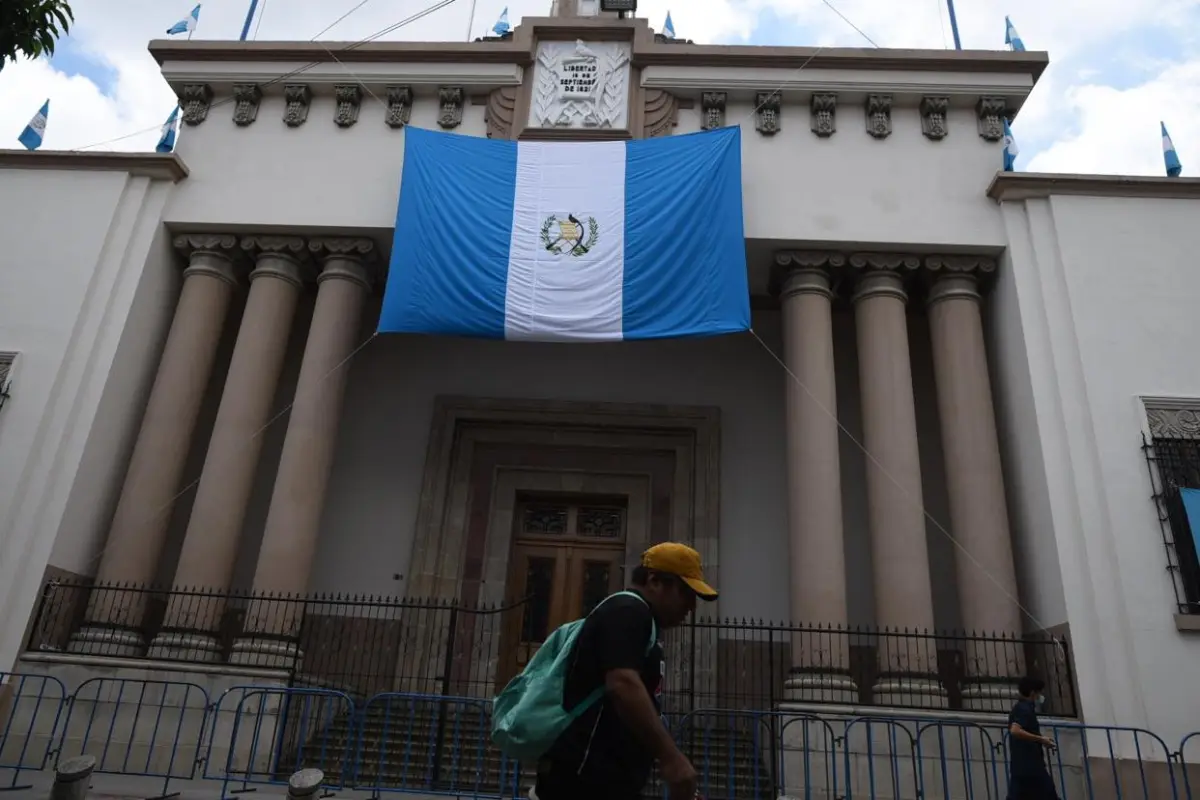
x: 569, y: 241
x: 1012, y: 38
x: 1011, y: 151
x: 166, y: 142
x: 187, y: 24
x: 1170, y: 157
x: 35, y: 131
x: 502, y: 27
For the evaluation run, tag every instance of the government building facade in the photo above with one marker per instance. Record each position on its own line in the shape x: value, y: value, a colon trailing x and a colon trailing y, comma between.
x: 949, y: 452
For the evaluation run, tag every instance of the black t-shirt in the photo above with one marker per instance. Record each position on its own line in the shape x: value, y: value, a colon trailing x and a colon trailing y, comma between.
x: 598, y: 748
x: 1028, y: 758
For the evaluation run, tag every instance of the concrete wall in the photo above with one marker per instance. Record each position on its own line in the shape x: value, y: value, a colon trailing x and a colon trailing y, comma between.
x: 849, y: 188
x: 1099, y: 289
x: 66, y: 298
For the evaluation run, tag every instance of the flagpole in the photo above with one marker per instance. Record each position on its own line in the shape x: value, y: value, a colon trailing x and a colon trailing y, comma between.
x: 249, y: 19
x: 471, y: 20
x: 954, y: 25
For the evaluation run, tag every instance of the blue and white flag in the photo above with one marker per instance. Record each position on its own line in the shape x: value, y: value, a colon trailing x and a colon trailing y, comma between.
x: 187, y: 24
x: 166, y: 142
x: 569, y: 241
x: 1011, y: 151
x: 1170, y: 157
x: 1012, y: 38
x: 502, y: 27
x: 35, y: 131
x: 669, y: 27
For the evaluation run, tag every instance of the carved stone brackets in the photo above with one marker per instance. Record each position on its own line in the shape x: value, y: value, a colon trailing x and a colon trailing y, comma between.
x: 297, y: 98
x: 450, y: 99
x: 933, y: 117
x: 348, y: 98
x: 196, y: 100
x: 500, y: 112
x: 824, y: 107
x: 399, y: 106
x: 246, y: 99
x: 991, y: 112
x: 879, y: 115
x: 712, y: 110
x: 767, y: 113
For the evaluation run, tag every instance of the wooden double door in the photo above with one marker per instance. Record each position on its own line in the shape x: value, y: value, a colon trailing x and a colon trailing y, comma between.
x: 555, y: 579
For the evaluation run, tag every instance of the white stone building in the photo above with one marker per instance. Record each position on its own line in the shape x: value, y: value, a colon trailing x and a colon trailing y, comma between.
x: 196, y: 398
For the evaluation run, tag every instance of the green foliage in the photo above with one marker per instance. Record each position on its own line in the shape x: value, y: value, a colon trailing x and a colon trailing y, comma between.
x: 30, y: 27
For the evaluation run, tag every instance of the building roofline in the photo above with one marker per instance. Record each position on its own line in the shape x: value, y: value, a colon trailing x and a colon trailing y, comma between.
x: 1029, y: 185
x: 158, y: 166
x: 647, y: 52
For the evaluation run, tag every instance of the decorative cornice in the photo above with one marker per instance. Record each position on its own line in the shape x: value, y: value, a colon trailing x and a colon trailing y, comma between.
x: 500, y: 112
x: 1029, y: 185
x: 195, y: 100
x: 767, y: 113
x: 297, y: 101
x: 450, y: 103
x: 933, y: 117
x: 1174, y: 423
x: 879, y: 115
x: 399, y: 106
x: 348, y: 97
x: 157, y: 166
x: 1026, y: 63
x: 246, y: 99
x: 659, y: 114
x: 824, y: 110
x: 991, y: 111
x: 712, y: 110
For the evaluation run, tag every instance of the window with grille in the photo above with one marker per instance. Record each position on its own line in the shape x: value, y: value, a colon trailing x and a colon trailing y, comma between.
x: 1173, y: 457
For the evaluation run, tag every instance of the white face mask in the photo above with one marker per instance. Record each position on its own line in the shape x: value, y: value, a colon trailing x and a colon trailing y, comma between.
x: 1040, y: 701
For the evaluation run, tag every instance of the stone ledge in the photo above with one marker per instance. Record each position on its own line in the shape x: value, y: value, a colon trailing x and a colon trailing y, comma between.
x: 1031, y: 185
x: 1187, y: 623
x: 158, y: 166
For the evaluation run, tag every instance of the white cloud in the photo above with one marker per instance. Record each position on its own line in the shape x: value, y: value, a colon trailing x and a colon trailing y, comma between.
x: 1075, y: 122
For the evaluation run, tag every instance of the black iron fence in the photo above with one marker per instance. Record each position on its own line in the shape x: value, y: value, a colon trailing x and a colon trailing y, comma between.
x: 365, y: 646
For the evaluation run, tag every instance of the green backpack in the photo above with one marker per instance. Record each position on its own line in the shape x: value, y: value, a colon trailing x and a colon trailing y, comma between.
x: 528, y: 716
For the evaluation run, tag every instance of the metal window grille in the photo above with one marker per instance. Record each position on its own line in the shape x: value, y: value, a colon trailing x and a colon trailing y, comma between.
x: 1172, y: 453
x: 6, y: 367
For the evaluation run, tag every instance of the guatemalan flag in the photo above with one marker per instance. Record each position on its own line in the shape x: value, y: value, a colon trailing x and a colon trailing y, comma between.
x: 569, y: 241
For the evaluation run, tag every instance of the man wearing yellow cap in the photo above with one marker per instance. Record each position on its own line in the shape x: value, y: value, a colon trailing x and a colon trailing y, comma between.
x: 609, y: 751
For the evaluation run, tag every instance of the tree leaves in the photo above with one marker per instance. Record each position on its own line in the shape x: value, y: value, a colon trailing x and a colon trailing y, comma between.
x: 30, y: 28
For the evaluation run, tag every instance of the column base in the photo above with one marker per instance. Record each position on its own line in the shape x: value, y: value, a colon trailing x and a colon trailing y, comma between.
x: 93, y: 640
x: 201, y: 648
x: 909, y: 692
x: 265, y: 653
x: 820, y: 687
x: 990, y: 696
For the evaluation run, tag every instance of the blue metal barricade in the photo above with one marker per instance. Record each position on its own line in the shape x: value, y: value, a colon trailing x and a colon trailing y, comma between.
x: 262, y: 734
x: 734, y: 752
x: 960, y: 759
x: 430, y: 744
x: 1188, y: 756
x: 31, y: 707
x: 148, y: 728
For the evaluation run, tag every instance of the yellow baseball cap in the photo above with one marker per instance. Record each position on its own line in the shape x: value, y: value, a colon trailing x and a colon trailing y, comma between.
x: 682, y: 561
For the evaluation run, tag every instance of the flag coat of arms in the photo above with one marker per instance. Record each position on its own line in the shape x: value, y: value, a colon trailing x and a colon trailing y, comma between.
x: 569, y: 241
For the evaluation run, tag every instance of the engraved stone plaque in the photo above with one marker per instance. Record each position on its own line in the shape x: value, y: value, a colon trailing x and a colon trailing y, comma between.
x: 581, y: 85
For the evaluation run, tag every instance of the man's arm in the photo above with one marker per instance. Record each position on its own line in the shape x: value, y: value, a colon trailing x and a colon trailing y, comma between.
x: 637, y: 711
x: 1017, y: 722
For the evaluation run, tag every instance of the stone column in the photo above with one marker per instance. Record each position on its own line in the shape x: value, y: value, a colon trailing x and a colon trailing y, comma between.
x: 139, y: 528
x: 211, y: 542
x: 293, y: 521
x: 820, y: 661
x: 987, y: 584
x: 895, y: 506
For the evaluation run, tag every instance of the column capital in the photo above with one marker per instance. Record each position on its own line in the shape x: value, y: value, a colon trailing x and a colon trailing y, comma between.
x: 813, y: 280
x: 212, y: 254
x: 953, y: 287
x: 810, y: 259
x: 899, y: 263
x: 282, y: 257
x: 880, y: 284
x: 943, y: 265
x: 357, y: 248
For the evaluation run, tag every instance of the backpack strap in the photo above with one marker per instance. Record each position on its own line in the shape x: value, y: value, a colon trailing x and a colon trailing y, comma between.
x: 653, y: 623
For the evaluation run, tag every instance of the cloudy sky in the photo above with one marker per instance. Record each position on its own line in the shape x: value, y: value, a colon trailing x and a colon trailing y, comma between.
x: 1117, y: 66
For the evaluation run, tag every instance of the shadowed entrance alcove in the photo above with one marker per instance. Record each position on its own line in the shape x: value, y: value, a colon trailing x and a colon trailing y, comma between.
x: 658, y: 466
